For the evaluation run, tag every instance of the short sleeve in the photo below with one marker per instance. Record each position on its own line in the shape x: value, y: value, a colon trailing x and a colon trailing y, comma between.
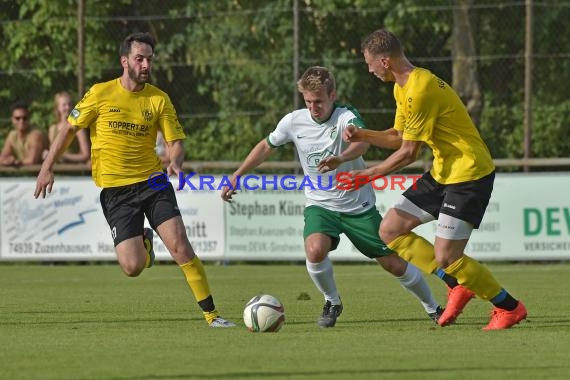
x: 281, y: 134
x: 85, y: 112
x: 420, y: 117
x: 168, y: 122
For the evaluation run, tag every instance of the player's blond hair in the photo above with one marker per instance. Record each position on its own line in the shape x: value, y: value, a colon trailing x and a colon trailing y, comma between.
x: 316, y: 78
x: 382, y: 42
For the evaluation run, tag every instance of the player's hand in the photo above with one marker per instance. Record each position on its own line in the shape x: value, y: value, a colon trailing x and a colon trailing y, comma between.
x: 351, y: 134
x: 329, y: 163
x: 229, y: 191
x: 44, y: 183
x: 173, y: 169
x: 355, y: 179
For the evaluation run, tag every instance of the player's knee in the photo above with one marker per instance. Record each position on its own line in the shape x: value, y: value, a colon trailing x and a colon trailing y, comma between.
x: 387, y: 233
x: 393, y: 264
x: 132, y: 269
x: 315, y: 254
x: 444, y: 260
x: 447, y: 251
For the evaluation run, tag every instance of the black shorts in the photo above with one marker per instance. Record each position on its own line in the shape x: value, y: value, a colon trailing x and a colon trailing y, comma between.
x: 464, y: 200
x: 125, y: 207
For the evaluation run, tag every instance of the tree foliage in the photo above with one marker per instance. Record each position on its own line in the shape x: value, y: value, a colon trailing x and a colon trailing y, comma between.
x: 228, y: 65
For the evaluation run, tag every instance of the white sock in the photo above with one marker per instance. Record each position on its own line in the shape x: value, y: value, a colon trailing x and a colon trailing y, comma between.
x: 416, y: 284
x: 323, y: 278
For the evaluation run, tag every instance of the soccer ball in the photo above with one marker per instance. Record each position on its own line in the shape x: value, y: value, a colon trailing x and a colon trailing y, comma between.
x: 264, y: 313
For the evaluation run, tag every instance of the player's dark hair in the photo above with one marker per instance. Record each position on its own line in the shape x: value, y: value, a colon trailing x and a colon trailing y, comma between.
x: 142, y: 37
x: 382, y: 42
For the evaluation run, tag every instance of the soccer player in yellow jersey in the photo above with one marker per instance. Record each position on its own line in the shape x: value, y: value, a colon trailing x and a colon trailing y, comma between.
x: 123, y: 117
x: 456, y: 191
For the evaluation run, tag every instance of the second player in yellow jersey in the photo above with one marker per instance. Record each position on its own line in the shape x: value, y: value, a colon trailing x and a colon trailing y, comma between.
x: 455, y: 192
x: 428, y: 110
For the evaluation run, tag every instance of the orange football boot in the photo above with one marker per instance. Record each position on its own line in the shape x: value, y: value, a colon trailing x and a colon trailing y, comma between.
x: 457, y: 298
x: 503, y: 319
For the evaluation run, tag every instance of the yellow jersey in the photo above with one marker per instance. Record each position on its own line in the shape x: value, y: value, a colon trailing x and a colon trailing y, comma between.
x: 123, y: 127
x: 429, y: 110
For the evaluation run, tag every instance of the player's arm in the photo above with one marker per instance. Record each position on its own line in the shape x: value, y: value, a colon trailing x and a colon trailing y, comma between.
x: 387, y: 139
x: 352, y: 152
x: 405, y: 155
x: 45, y: 177
x: 418, y: 122
x: 175, y: 151
x: 255, y: 157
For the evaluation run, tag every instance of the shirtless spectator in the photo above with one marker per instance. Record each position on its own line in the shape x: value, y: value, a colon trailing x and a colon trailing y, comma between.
x: 24, y: 144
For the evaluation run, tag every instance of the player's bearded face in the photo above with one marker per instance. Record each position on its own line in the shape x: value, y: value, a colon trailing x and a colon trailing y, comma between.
x: 139, y: 62
x: 139, y: 75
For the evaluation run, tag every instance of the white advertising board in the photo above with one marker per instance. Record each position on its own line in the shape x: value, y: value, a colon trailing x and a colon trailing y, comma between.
x: 69, y: 223
x: 528, y: 218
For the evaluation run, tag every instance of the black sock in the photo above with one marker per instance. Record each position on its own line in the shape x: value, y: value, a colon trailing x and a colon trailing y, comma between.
x: 509, y: 303
x: 449, y: 280
x: 207, y: 304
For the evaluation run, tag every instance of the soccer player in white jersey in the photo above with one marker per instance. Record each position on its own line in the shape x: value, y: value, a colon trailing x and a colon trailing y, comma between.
x: 316, y: 132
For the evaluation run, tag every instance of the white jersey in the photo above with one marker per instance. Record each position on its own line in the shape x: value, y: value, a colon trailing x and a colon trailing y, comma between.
x: 315, y: 141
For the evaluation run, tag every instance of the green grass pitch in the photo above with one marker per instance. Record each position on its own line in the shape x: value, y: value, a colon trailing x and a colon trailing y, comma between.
x: 87, y: 322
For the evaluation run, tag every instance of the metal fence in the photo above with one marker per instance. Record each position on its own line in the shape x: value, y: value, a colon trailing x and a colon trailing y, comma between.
x: 522, y: 84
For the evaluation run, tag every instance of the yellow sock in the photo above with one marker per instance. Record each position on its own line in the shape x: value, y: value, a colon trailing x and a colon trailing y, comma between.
x: 147, y: 262
x: 474, y: 276
x: 416, y: 250
x: 210, y: 315
x: 198, y: 282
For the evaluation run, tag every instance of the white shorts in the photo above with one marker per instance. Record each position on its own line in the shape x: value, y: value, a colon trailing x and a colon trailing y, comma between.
x: 448, y: 227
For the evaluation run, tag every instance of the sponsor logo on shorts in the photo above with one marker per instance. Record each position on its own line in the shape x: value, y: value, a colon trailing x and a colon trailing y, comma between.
x: 445, y: 226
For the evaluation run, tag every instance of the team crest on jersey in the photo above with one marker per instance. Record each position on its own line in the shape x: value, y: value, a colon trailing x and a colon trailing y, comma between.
x: 334, y: 132
x: 147, y: 114
x: 75, y: 113
x: 314, y: 158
